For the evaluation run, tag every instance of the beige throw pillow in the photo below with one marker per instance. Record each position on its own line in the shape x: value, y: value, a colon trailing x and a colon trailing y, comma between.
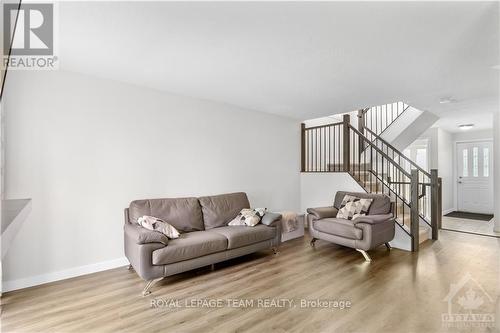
x: 156, y: 224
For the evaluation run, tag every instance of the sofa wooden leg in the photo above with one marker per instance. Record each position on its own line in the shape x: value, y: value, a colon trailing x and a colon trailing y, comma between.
x: 313, y: 241
x: 212, y: 267
x: 367, y: 257
x: 389, y: 247
x: 146, y: 291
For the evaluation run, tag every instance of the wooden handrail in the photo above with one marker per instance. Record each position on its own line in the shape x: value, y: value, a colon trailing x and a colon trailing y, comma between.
x: 403, y: 171
x: 323, y: 126
x: 377, y: 137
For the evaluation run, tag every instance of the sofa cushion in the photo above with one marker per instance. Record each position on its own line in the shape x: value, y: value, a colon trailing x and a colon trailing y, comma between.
x: 238, y: 236
x: 381, y: 203
x: 219, y: 210
x: 188, y: 246
x: 338, y: 227
x: 184, y: 214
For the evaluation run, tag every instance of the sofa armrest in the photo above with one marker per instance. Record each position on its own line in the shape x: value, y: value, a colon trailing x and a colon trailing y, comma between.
x: 323, y: 212
x: 141, y: 235
x: 373, y: 219
x: 271, y: 219
x: 140, y: 255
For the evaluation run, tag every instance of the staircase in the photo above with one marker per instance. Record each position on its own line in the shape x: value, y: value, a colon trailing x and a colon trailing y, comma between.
x: 379, y: 118
x: 398, y: 124
x: 378, y: 167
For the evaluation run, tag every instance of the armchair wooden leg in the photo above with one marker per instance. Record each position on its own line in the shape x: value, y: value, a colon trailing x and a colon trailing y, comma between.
x: 146, y: 291
x: 389, y: 247
x: 313, y: 241
x: 367, y: 257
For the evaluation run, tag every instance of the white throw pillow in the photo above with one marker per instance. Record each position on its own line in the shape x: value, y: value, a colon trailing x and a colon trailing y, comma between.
x: 156, y: 224
x: 248, y: 217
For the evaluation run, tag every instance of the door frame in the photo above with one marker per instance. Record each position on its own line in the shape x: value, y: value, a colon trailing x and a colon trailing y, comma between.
x: 455, y: 168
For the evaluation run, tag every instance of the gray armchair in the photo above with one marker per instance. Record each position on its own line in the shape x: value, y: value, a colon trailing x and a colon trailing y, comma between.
x: 363, y: 233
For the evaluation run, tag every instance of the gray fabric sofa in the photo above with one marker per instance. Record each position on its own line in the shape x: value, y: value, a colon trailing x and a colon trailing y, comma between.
x: 363, y: 233
x: 205, y: 236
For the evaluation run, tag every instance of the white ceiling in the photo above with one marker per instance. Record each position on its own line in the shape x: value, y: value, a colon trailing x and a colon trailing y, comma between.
x: 302, y: 60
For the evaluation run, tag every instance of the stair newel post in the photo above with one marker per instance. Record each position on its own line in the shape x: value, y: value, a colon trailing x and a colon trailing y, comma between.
x: 347, y: 143
x: 302, y: 147
x: 440, y: 202
x: 361, y: 121
x: 414, y: 215
x: 435, y: 202
x: 361, y: 129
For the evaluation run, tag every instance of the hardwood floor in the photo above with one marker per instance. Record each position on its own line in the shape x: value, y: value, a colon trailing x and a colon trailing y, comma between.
x: 397, y: 292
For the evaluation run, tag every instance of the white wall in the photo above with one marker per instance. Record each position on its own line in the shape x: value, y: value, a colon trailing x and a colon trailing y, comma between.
x: 408, y: 127
x: 470, y: 135
x: 82, y: 148
x: 446, y: 168
x: 496, y: 166
x: 441, y: 157
x: 318, y: 189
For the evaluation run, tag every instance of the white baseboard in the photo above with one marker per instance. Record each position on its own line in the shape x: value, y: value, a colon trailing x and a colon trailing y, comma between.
x: 61, y: 275
x: 447, y: 211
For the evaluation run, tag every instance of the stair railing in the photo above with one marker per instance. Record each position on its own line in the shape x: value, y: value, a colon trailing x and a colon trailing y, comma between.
x: 378, y: 168
x: 322, y: 148
x: 430, y: 179
x: 379, y: 118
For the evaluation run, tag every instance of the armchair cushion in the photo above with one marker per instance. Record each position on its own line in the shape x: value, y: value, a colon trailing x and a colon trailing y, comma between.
x: 144, y: 236
x: 323, y: 212
x: 373, y: 219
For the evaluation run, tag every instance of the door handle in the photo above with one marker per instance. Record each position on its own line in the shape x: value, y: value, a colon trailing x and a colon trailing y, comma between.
x: 459, y: 182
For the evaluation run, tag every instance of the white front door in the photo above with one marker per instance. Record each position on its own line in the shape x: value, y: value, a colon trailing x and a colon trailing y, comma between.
x: 475, y: 177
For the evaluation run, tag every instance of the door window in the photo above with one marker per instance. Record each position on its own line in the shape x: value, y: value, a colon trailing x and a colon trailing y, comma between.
x: 465, y: 163
x: 475, y: 162
x: 486, y: 162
